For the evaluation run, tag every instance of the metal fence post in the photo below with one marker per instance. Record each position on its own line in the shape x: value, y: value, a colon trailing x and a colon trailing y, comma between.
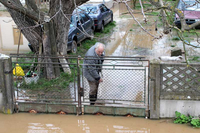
x: 79, y: 91
x: 1, y: 84
x: 7, y: 85
x: 154, y: 90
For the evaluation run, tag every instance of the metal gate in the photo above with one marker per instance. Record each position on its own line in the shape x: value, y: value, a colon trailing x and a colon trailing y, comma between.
x: 37, y: 90
x: 124, y: 90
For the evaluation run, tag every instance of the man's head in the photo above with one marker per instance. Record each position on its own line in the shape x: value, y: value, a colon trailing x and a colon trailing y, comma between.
x: 99, y: 48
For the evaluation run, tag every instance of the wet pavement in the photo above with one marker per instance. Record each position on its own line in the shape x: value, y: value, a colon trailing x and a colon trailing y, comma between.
x: 128, y: 38
x: 53, y: 123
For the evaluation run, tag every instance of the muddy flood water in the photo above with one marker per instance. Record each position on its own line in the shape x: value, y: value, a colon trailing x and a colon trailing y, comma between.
x: 53, y: 123
x: 125, y: 41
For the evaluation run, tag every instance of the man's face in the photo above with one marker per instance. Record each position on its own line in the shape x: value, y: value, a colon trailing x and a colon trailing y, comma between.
x: 99, y: 51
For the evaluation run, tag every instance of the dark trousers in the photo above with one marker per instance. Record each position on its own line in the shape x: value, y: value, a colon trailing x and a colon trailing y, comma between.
x: 93, y: 91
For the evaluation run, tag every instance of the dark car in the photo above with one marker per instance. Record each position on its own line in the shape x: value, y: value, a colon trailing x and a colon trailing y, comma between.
x: 99, y: 13
x: 76, y: 33
x: 81, y: 27
x: 191, y: 11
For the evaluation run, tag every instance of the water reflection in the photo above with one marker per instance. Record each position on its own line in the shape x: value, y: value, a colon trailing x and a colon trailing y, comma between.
x: 49, y: 123
x: 43, y: 128
x: 107, y: 128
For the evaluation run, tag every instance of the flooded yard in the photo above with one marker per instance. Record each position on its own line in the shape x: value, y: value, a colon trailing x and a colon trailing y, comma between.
x: 52, y: 123
x: 124, y: 41
x: 128, y: 38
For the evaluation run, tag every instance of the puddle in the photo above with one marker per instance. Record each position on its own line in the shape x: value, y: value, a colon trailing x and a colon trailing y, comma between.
x: 128, y: 39
x: 51, y: 123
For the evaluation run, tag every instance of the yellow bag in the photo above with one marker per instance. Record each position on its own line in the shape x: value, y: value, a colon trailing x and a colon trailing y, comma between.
x: 19, y: 71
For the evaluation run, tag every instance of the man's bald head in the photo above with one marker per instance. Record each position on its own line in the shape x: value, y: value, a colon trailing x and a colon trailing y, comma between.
x: 99, y: 48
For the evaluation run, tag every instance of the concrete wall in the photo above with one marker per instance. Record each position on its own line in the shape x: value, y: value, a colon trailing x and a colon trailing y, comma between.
x: 7, y: 38
x: 168, y: 108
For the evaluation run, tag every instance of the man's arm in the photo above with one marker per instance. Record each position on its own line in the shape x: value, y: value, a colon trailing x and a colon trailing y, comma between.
x: 93, y: 70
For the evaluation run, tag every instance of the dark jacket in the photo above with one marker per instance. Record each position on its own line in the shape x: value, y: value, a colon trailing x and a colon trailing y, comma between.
x: 92, y: 67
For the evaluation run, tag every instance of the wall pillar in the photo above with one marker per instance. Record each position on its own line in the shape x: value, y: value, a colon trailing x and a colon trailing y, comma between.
x: 6, y: 86
x: 154, y: 90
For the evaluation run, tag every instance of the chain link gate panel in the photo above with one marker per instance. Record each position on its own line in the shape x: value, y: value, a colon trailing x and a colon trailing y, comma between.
x: 35, y: 90
x: 125, y: 84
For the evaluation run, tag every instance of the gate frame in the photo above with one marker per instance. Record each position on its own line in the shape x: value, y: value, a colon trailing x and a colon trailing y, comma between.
x: 134, y: 111
x: 80, y: 108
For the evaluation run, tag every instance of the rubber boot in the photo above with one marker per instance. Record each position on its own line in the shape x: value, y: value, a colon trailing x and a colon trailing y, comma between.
x: 92, y: 99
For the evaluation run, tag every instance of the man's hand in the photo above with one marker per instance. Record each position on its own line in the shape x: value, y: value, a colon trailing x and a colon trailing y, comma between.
x: 100, y: 80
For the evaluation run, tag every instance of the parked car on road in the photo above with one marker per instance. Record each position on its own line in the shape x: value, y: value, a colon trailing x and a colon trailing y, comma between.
x: 191, y: 11
x: 99, y: 13
x: 78, y: 33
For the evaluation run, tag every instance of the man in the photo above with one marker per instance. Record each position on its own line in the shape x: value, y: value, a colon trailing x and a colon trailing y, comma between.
x: 92, y: 68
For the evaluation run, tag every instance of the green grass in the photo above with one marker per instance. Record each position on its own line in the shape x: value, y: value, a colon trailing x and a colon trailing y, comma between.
x: 195, y: 58
x: 146, y: 5
x: 86, y: 44
x: 125, y: 16
x: 152, y: 13
x: 57, y: 84
x: 175, y: 38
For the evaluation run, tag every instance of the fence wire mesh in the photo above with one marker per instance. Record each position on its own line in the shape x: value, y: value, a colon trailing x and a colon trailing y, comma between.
x: 52, y: 79
x: 45, y: 79
x: 123, y: 81
x: 180, y: 82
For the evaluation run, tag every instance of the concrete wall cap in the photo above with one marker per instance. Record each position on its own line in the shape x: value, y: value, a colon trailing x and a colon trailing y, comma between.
x: 3, y: 56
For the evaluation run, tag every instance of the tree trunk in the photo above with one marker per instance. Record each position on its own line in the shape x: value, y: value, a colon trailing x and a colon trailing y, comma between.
x: 47, y: 52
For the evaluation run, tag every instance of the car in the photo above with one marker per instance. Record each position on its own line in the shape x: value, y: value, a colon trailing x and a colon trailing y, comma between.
x: 99, y: 13
x: 191, y: 11
x: 81, y: 27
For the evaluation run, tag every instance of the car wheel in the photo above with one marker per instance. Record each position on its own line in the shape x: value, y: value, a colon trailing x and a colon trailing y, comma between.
x: 102, y: 27
x: 92, y: 34
x: 74, y: 47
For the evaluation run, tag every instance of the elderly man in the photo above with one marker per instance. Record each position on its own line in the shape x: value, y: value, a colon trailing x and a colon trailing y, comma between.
x: 92, y: 67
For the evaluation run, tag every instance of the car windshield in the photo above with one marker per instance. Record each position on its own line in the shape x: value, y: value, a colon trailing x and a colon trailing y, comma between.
x: 90, y: 9
x: 188, y: 5
x: 73, y: 21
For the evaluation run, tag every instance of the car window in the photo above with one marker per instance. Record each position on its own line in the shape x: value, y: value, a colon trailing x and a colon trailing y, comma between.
x: 84, y: 17
x: 90, y: 9
x: 79, y: 18
x: 188, y: 5
x: 101, y: 8
x: 105, y: 8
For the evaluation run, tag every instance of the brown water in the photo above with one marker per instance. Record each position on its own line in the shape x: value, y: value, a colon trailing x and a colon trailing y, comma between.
x: 50, y: 123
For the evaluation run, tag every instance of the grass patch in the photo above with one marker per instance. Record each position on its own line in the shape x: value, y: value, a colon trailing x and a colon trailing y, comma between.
x: 152, y: 13
x: 86, y: 44
x: 145, y: 5
x: 125, y: 16
x: 58, y: 84
x: 175, y: 38
x: 195, y: 58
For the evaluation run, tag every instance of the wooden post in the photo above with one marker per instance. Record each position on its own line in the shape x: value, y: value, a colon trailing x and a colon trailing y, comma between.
x: 7, y: 85
x: 154, y: 90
